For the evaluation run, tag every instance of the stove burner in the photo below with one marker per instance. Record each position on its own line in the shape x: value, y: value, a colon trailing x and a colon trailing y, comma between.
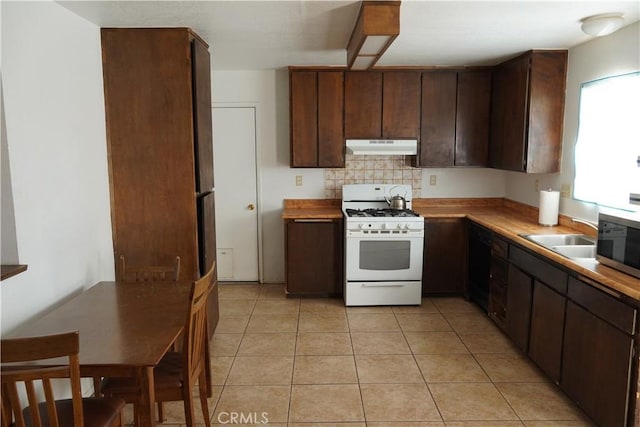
x: 380, y: 212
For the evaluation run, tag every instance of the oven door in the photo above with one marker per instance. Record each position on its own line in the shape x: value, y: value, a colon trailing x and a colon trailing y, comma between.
x: 384, y: 257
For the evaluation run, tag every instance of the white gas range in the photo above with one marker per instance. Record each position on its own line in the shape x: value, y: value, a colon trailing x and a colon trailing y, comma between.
x: 383, y: 247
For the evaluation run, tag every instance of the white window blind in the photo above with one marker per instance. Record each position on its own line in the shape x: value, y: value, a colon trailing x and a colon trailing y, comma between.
x: 608, y: 145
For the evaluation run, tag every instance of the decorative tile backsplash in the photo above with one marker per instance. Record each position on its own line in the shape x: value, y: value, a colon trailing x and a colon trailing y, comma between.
x: 372, y: 170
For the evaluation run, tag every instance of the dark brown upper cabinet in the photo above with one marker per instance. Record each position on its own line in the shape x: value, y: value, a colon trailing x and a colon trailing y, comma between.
x: 363, y: 104
x: 438, y: 124
x: 454, y: 127
x: 400, y: 104
x: 316, y: 107
x: 382, y: 104
x: 472, y: 118
x: 527, y: 112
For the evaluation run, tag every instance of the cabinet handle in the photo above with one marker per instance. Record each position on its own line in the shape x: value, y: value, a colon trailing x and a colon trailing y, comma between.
x: 312, y: 220
x: 251, y: 206
x: 382, y: 285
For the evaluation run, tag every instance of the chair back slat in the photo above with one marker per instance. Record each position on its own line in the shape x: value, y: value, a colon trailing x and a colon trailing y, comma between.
x: 50, y: 399
x: 148, y: 273
x: 12, y: 396
x: 5, y: 408
x: 33, y: 399
x: 34, y: 377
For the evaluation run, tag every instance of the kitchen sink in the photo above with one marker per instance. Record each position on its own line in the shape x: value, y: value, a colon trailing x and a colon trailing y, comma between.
x: 576, y: 251
x: 548, y: 240
x: 573, y: 246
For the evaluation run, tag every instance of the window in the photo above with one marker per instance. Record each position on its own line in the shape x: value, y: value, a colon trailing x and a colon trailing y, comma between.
x: 608, y: 145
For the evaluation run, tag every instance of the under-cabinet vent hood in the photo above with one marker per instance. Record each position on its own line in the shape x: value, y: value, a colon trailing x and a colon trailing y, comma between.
x: 382, y: 147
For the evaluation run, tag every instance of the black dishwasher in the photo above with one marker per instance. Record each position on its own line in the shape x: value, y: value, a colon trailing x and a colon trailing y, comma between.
x: 479, y: 264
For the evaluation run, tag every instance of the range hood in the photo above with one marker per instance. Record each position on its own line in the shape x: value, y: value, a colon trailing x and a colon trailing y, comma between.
x: 382, y: 147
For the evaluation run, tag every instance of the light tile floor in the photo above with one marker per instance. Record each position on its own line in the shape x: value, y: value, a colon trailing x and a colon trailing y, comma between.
x: 316, y: 363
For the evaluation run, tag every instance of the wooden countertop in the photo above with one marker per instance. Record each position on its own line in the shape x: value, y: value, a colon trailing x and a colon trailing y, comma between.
x: 312, y: 209
x: 505, y: 217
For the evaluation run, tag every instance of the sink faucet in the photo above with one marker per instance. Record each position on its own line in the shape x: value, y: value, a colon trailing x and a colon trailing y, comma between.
x: 591, y: 224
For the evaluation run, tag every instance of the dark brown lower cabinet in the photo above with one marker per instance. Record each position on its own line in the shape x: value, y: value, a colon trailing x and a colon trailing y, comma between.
x: 519, y: 294
x: 547, y: 327
x: 596, y: 366
x: 314, y: 249
x: 444, y: 269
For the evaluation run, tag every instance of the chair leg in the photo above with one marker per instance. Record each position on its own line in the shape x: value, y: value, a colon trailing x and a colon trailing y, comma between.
x: 160, y: 412
x: 97, y: 384
x: 202, y: 386
x: 188, y: 404
x: 136, y: 415
x: 118, y: 421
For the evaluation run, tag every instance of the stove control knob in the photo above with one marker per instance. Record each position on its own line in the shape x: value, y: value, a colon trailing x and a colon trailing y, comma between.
x: 404, y: 226
x: 361, y: 225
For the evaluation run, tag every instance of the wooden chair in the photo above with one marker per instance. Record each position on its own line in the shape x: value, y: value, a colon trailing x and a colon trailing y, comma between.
x: 148, y: 273
x: 76, y: 411
x: 177, y: 372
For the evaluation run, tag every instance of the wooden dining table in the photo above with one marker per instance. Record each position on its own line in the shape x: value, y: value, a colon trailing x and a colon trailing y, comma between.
x: 125, y: 329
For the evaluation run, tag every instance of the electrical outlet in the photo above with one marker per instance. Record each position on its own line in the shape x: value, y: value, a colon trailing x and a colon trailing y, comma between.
x: 537, y: 185
x: 433, y: 179
x: 298, y: 180
x: 565, y: 191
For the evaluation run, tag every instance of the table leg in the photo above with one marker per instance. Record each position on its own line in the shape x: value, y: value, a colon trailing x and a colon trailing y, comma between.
x: 147, y: 398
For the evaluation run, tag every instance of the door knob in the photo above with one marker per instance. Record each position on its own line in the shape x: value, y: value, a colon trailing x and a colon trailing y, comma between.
x: 251, y: 206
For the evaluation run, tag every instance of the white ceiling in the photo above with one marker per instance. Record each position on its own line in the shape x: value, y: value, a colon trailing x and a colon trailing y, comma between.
x: 271, y: 34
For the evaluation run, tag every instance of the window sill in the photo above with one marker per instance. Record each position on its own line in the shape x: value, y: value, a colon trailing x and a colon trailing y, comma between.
x: 7, y: 271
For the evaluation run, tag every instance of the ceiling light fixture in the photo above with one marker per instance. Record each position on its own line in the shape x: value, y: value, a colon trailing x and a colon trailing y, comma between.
x: 377, y: 27
x: 602, y: 25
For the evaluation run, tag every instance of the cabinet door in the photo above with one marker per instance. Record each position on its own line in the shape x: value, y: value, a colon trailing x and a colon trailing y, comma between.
x: 206, y: 231
x: 472, y: 118
x: 519, y: 306
x: 304, y: 118
x: 401, y: 104
x: 445, y: 247
x: 207, y: 253
x: 363, y: 104
x: 330, y: 111
x: 596, y: 366
x: 508, y: 114
x: 202, y: 116
x: 546, y: 111
x: 314, y: 257
x: 547, y: 328
x: 438, y: 124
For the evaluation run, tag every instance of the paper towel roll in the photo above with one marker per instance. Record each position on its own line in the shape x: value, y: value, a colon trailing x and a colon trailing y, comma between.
x: 548, y: 207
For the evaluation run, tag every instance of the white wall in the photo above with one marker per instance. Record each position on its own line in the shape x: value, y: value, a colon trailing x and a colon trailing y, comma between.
x: 618, y: 53
x: 463, y: 183
x: 55, y: 130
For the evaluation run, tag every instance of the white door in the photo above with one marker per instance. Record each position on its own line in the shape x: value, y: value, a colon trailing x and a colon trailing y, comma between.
x: 234, y: 142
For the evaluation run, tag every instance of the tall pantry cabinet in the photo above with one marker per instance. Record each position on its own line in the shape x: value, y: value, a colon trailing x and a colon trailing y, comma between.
x: 157, y: 88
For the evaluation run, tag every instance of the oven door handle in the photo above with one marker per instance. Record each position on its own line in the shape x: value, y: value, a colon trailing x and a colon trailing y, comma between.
x: 382, y: 285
